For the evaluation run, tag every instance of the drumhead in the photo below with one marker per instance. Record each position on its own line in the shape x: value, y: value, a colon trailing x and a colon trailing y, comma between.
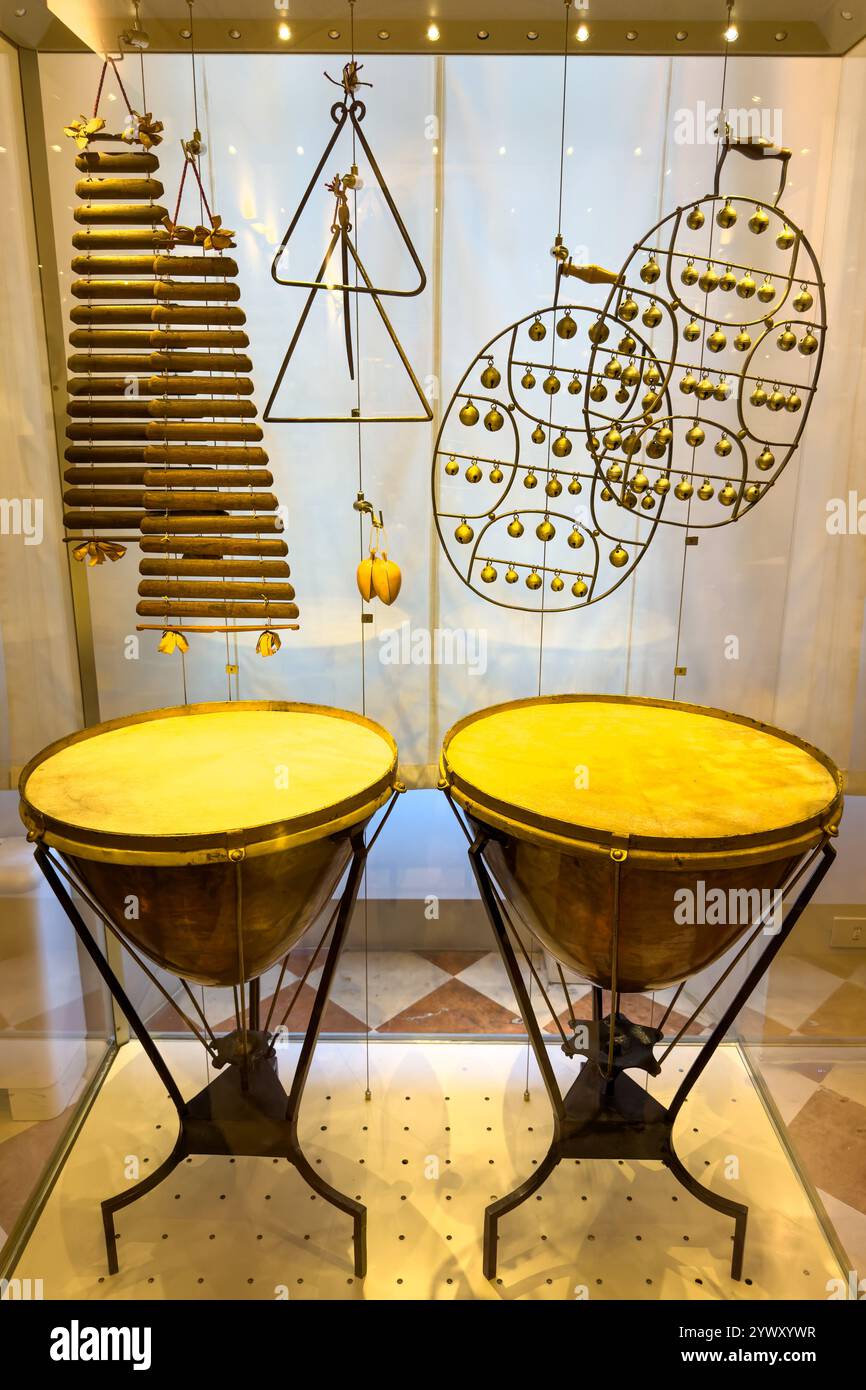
x: 652, y: 774
x: 198, y: 777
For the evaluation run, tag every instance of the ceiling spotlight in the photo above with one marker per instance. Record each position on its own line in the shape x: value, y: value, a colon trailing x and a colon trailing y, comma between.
x: 532, y: 35
x: 234, y: 33
x: 483, y: 34
x: 333, y: 34
x: 284, y: 33
x: 22, y: 13
x: 433, y: 32
x: 681, y: 34
x: 186, y: 33
x: 846, y: 14
x: 384, y: 34
x: 781, y: 35
x: 732, y: 33
x: 582, y: 33
x: 631, y: 35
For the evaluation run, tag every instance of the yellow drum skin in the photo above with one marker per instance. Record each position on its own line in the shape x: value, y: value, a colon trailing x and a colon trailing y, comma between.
x: 211, y: 835
x: 580, y: 791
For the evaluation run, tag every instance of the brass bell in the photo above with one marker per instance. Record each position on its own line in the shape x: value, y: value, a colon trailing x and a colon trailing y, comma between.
x: 598, y: 391
x: 538, y: 436
x: 704, y: 389
x: 515, y: 528
x: 706, y: 490
x: 652, y: 376
x: 553, y: 487
x: 647, y: 502
x: 640, y: 482
x: 717, y: 340
x: 662, y: 485
x: 621, y: 394
x: 695, y: 219
x: 629, y: 500
x: 692, y: 331
x: 613, y: 438
x: 578, y: 588
x: 650, y: 271
x: 664, y: 435
x: 490, y: 377
x: 574, y: 386
x: 752, y: 492
x: 695, y: 436
x: 793, y: 403
x: 530, y: 481
x: 574, y: 486
x: 767, y: 292
x: 562, y: 446
x: 746, y: 287
x: 598, y: 332
x: 683, y: 490
x: 631, y: 445
x: 688, y: 383
x: 488, y: 574
x: 655, y: 450
x: 557, y: 583
x: 494, y: 420
x: 591, y: 444
x: 689, y: 275
x: 614, y: 473
x: 469, y: 414
x: 496, y: 474
x: 618, y: 557
x: 727, y: 281
x: 533, y: 580
x: 613, y: 368
x: 723, y: 446
x: 649, y: 404
x: 627, y: 345
x: 765, y: 460
x: 652, y: 315
x: 527, y: 381
x: 630, y: 375
x: 759, y: 221
x: 722, y: 389
x: 473, y: 473
x: 786, y: 339
x: 726, y: 216
x: 576, y: 539
x: 803, y: 301
x: 759, y: 395
x: 551, y: 384
x: 545, y: 530
x: 627, y: 310
x: 743, y: 341
x: 808, y: 344
x: 511, y: 575
x: 452, y: 467
x: 566, y: 328
x: 537, y: 331
x: 728, y: 495
x: 786, y: 238
x: 709, y: 280
x: 463, y: 533
x: 777, y: 400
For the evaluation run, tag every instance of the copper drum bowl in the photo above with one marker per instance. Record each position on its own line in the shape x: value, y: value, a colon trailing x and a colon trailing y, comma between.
x: 211, y: 835
x: 599, y: 802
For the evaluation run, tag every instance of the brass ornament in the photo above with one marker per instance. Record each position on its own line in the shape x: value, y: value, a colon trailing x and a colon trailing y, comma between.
x: 534, y: 580
x: 746, y: 286
x: 557, y: 583
x: 490, y: 377
x: 726, y: 216
x: 717, y: 340
x: 765, y: 459
x: 469, y: 414
x: 551, y: 384
x: 692, y: 331
x: 803, y: 300
x: 463, y: 534
x: 494, y: 420
x: 537, y: 330
x: 727, y: 280
x: 473, y: 473
x: 690, y: 273
x: 488, y: 573
x: 545, y: 530
x: 566, y: 327
x: 538, y: 436
x: 628, y: 310
x: 695, y: 219
x: 709, y: 280
x: 527, y: 381
x: 515, y: 528
x: 759, y: 221
x: 561, y: 447
x: 452, y: 467
x: 496, y: 474
x: 706, y: 490
x: 553, y: 487
x: 574, y: 386
x: 650, y: 272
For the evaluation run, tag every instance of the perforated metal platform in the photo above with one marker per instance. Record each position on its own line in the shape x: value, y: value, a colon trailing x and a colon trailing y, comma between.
x: 446, y: 1130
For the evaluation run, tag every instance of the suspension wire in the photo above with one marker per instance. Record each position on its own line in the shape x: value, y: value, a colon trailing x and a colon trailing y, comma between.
x: 723, y: 132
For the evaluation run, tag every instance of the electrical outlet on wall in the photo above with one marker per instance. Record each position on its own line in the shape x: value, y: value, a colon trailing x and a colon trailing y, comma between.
x: 848, y: 932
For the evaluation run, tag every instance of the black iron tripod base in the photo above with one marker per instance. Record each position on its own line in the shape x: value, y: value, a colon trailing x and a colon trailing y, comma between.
x: 240, y: 1115
x: 619, y: 1121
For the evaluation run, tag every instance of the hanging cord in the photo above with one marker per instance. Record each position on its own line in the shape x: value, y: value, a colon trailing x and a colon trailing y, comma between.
x: 723, y: 133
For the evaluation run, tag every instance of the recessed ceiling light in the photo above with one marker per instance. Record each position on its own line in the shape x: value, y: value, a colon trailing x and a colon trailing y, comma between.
x: 532, y: 35
x: 284, y: 33
x: 234, y: 33
x: 582, y: 33
x: 483, y: 34
x: 781, y: 36
x: 185, y: 34
x: 384, y: 34
x: 300, y: 149
x: 21, y: 13
x: 681, y: 34
x: 333, y: 33
x: 731, y: 34
x: 433, y: 32
x: 501, y: 149
x: 631, y: 35
x: 846, y: 14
